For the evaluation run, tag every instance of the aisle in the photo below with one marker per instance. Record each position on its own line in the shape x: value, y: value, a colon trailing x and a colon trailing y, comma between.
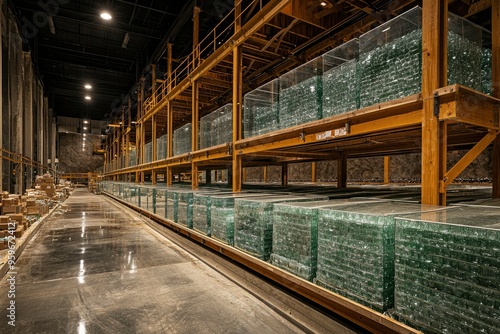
x: 97, y: 269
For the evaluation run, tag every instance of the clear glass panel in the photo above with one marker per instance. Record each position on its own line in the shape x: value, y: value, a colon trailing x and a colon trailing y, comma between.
x: 182, y: 139
x: 217, y: 127
x: 260, y: 110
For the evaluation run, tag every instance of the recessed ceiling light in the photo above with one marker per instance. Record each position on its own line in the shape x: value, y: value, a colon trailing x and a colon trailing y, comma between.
x: 106, y: 16
x: 85, y: 122
x: 88, y: 86
x: 88, y: 98
x: 323, y: 3
x: 84, y: 134
x: 85, y: 128
x: 83, y: 140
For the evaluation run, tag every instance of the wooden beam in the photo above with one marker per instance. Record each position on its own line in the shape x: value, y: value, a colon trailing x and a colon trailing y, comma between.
x: 495, y: 66
x: 468, y: 158
x: 434, y: 40
x: 196, y: 36
x: 264, y: 172
x: 443, y: 159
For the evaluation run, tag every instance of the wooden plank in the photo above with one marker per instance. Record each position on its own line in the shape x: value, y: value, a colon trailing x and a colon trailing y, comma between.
x: 434, y: 40
x: 284, y: 174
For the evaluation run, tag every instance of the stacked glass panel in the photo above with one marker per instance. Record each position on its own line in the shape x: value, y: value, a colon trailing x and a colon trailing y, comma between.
x: 182, y: 139
x: 447, y: 270
x: 341, y: 79
x: 161, y: 147
x: 132, y: 158
x: 301, y: 94
x: 390, y: 59
x: 217, y: 127
x: 253, y: 222
x: 260, y: 110
x: 148, y: 152
x: 356, y: 250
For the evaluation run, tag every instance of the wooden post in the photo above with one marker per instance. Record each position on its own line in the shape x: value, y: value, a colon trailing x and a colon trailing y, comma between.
x: 265, y: 174
x: 237, y: 103
x: 208, y: 176
x: 170, y: 116
x: 495, y: 66
x: 244, y: 175
x: 153, y: 82
x: 313, y: 172
x: 194, y: 131
x: 284, y: 174
x: 342, y: 172
x: 196, y: 35
x: 434, y: 75
x: 387, y: 169
x: 153, y: 153
x: 127, y: 137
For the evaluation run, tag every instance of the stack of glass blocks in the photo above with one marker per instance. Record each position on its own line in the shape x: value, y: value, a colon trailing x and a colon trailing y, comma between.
x: 295, y: 235
x: 222, y: 214
x: 341, y: 79
x: 356, y: 250
x: 148, y: 152
x: 217, y: 127
x: 301, y: 94
x: 260, y: 110
x: 253, y: 222
x: 132, y: 158
x: 390, y: 60
x: 161, y: 147
x: 447, y: 270
x: 182, y: 139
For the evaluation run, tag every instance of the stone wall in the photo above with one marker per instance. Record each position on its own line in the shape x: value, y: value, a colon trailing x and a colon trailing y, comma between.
x: 73, y: 158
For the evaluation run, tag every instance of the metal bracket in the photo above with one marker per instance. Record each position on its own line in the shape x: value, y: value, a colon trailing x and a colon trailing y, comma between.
x: 348, y: 127
x: 436, y: 104
x: 302, y: 135
x: 206, y: 154
x: 230, y: 149
x: 190, y: 157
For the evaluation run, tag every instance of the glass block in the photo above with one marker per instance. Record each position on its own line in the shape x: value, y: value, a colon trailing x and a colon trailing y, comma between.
x: 260, y: 110
x: 182, y: 139
x: 253, y: 222
x: 301, y: 94
x: 295, y: 235
x: 148, y: 152
x: 341, y: 79
x: 216, y: 128
x: 132, y: 158
x: 390, y: 59
x: 447, y: 270
x: 356, y: 250
x: 161, y: 147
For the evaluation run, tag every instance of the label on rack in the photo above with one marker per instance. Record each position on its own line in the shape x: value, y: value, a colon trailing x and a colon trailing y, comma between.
x: 340, y: 132
x: 324, y: 135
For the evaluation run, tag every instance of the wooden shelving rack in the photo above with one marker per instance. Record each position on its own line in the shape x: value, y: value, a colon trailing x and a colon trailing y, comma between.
x: 438, y: 119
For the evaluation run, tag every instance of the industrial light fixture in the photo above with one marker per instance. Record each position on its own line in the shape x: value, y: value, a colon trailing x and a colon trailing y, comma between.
x: 52, y: 27
x: 323, y: 3
x: 106, y: 16
x: 87, y: 86
x: 84, y: 135
x: 85, y: 122
x: 85, y: 128
x: 88, y: 98
x: 126, y: 38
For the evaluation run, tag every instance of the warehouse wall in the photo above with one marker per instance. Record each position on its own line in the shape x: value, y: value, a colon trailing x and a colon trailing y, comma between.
x: 73, y: 158
x: 27, y: 122
x: 403, y: 169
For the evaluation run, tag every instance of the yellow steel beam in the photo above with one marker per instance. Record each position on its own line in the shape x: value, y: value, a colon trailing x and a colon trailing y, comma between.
x: 387, y: 169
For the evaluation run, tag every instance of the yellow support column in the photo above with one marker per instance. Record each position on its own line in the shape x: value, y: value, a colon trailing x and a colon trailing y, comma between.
x: 153, y: 145
x: 434, y: 75
x: 495, y: 66
x: 237, y: 102
x: 194, y: 138
x: 284, y: 174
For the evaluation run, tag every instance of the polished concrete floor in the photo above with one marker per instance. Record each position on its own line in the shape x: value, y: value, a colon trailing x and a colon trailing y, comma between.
x: 98, y: 269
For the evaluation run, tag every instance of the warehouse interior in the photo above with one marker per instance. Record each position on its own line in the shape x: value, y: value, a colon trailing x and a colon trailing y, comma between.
x: 345, y: 152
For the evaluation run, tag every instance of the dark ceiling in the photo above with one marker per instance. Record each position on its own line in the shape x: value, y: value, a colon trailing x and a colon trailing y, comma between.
x: 80, y: 47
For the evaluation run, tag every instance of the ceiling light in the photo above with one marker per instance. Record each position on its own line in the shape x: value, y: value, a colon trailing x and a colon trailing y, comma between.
x: 84, y: 134
x: 106, y: 16
x: 85, y: 122
x: 88, y: 86
x: 85, y: 128
x: 84, y: 140
x: 88, y: 98
x: 323, y: 3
